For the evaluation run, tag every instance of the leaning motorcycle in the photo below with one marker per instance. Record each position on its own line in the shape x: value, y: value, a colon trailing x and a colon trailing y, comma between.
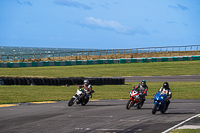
x: 80, y: 98
x: 135, y: 100
x: 159, y: 103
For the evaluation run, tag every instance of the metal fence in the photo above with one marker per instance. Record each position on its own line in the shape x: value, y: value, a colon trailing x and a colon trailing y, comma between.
x: 99, y: 52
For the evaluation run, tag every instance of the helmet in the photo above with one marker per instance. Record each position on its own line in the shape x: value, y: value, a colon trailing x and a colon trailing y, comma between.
x: 166, y: 85
x: 86, y: 81
x: 143, y: 83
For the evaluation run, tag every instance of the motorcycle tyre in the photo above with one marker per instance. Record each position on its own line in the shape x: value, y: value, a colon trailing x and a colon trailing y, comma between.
x: 129, y: 104
x: 139, y: 106
x: 163, y: 111
x: 154, y: 110
x: 85, y: 102
x: 70, y: 103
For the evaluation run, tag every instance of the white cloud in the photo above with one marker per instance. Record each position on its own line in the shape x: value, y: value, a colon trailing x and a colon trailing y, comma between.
x: 112, y: 25
x: 71, y: 3
x: 178, y: 6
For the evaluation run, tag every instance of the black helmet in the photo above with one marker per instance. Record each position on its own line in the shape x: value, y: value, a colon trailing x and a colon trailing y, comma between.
x: 143, y: 83
x: 166, y: 85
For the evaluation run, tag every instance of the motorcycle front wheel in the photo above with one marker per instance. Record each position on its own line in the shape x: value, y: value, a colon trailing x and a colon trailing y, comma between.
x: 129, y: 104
x: 154, y: 110
x: 71, y: 102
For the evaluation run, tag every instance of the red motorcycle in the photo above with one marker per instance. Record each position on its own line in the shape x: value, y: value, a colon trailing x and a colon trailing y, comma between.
x: 135, y: 100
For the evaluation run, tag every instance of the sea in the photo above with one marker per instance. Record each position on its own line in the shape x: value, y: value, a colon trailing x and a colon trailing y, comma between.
x: 16, y: 53
x: 11, y: 53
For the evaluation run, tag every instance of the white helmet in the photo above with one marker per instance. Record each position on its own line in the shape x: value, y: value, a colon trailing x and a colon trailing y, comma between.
x: 86, y: 81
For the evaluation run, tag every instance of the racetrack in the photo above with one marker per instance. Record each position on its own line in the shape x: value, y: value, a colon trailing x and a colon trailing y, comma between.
x: 104, y: 116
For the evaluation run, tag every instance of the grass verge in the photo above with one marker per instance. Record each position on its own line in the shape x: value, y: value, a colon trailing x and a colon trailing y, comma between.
x: 186, y: 131
x: 106, y: 70
x: 21, y: 94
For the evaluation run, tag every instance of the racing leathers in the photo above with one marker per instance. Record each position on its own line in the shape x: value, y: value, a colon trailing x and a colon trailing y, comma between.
x: 87, y: 90
x: 142, y: 91
x: 168, y: 93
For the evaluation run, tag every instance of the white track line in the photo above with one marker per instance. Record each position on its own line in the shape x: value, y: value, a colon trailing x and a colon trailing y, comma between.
x: 110, y: 129
x: 180, y: 124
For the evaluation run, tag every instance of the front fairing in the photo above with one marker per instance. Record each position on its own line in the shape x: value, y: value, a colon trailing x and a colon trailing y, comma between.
x: 134, y: 96
x: 160, y: 99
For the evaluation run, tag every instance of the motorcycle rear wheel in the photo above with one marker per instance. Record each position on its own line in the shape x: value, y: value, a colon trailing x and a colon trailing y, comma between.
x: 83, y: 103
x: 129, y: 104
x: 71, y: 102
x: 154, y: 110
x: 139, y: 106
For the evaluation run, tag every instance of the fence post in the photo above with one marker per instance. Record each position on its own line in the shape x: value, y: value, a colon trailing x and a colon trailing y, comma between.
x: 40, y: 56
x: 124, y: 51
x: 34, y: 56
x: 118, y: 51
x: 65, y: 54
x: 59, y: 55
x: 13, y: 57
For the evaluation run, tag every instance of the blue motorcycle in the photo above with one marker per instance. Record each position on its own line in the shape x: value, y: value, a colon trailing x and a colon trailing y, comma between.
x: 159, y: 103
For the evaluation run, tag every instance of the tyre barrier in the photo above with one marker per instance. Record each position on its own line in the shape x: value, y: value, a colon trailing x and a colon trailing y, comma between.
x: 60, y: 81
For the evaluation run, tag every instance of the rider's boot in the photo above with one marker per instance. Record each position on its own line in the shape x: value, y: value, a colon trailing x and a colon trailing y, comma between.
x: 167, y: 105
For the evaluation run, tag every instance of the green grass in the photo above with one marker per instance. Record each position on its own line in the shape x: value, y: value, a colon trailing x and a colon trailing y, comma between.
x: 20, y: 94
x: 105, y: 70
x: 186, y: 131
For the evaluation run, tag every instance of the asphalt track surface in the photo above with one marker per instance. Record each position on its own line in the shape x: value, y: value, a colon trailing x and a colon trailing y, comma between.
x: 103, y: 116
x: 163, y: 78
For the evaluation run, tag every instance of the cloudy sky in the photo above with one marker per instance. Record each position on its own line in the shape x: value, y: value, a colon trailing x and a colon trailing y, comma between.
x: 102, y: 24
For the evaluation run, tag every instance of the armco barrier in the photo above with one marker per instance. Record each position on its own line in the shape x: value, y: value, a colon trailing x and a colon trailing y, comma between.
x: 102, y: 61
x: 60, y: 81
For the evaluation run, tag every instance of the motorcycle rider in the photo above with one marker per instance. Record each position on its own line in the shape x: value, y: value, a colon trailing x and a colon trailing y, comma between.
x: 87, y: 88
x: 142, y: 88
x: 166, y: 90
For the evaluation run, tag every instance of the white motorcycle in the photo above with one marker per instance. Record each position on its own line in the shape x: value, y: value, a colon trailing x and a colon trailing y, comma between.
x: 80, y: 98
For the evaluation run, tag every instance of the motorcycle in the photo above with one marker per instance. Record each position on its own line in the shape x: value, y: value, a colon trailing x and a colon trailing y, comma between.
x: 81, y: 97
x: 135, y: 100
x: 159, y: 103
